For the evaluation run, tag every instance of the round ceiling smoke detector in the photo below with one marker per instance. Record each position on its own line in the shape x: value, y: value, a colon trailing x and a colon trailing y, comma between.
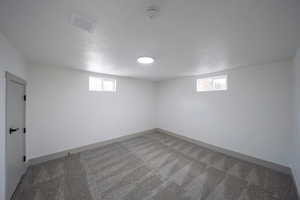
x: 152, y: 11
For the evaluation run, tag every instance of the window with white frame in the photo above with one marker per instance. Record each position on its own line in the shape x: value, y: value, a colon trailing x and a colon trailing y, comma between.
x: 102, y: 84
x: 215, y: 83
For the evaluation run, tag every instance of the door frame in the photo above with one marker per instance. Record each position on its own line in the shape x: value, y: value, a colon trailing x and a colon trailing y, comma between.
x: 13, y: 78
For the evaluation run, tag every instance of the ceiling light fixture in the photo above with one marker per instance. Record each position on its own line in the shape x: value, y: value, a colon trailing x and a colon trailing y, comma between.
x: 145, y: 60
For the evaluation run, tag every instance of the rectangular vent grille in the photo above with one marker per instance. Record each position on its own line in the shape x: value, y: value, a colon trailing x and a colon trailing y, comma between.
x: 83, y: 23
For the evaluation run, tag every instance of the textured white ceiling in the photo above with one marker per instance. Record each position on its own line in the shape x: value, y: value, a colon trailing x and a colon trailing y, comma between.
x: 188, y: 37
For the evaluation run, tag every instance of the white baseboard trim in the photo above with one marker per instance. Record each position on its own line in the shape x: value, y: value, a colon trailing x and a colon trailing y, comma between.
x: 271, y: 165
x: 65, y: 153
x: 237, y: 155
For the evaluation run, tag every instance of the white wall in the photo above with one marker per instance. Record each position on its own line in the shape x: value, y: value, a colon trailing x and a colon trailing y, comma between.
x: 253, y: 117
x: 10, y: 61
x: 63, y: 114
x: 295, y: 153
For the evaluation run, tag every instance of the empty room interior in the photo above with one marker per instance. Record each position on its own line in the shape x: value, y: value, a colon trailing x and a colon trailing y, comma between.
x: 149, y: 100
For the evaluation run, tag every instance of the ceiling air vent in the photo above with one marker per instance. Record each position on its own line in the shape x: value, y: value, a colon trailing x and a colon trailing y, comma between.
x: 83, y: 23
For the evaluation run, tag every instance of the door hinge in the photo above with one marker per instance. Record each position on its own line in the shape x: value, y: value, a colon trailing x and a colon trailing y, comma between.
x: 24, y: 97
x: 24, y: 130
x: 24, y: 158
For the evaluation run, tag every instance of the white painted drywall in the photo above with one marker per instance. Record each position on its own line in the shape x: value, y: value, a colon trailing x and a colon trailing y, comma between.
x: 295, y: 153
x: 253, y: 117
x: 10, y: 60
x: 62, y: 113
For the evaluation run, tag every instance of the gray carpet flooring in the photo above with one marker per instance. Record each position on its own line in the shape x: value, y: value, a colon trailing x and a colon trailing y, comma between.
x: 153, y: 167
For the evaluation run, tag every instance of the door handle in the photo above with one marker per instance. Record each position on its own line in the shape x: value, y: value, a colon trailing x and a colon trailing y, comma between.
x: 12, y: 130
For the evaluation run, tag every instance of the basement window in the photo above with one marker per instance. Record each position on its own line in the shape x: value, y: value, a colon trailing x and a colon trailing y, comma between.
x: 109, y: 85
x: 215, y: 83
x: 102, y: 84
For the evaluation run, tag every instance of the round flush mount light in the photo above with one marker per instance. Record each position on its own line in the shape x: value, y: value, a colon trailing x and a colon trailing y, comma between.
x: 145, y: 60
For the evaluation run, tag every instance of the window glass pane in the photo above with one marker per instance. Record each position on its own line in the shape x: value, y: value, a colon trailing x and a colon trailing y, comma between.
x: 212, y: 83
x: 220, y: 84
x: 95, y: 84
x: 109, y: 85
x: 204, y: 84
